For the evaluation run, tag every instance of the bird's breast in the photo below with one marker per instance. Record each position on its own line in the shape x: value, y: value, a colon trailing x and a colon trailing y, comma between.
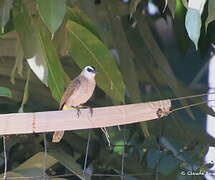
x: 83, y: 93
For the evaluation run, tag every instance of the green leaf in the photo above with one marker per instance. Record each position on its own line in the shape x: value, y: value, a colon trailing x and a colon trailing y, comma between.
x: 36, y: 161
x: 172, y: 7
x: 23, y: 25
x: 87, y: 49
x: 211, y: 13
x: 5, y: 7
x: 156, y: 56
x: 152, y: 158
x: 41, y: 54
x: 18, y: 62
x: 5, y: 92
x: 56, y: 75
x: 34, y: 165
x: 118, y: 148
x: 133, y: 6
x: 78, y: 16
x: 184, y: 2
x: 193, y: 21
x: 26, y: 92
x: 52, y: 13
x: 168, y: 164
x: 68, y: 161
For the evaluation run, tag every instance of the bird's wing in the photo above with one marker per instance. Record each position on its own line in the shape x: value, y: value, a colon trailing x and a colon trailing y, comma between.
x: 69, y: 91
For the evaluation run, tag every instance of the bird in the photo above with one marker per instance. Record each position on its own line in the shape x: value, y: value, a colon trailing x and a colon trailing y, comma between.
x: 78, y: 92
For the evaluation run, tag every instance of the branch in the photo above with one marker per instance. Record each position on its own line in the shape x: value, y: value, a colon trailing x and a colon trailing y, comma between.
x: 24, y: 123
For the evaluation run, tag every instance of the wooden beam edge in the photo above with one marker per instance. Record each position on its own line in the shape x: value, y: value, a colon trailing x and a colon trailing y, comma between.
x: 24, y: 123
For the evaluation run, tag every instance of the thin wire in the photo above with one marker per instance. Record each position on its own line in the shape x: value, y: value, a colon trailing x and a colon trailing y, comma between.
x: 45, y: 156
x: 87, y: 151
x: 158, y: 162
x: 5, y: 158
x: 192, y: 96
x: 123, y: 155
x: 69, y: 175
x: 191, y: 105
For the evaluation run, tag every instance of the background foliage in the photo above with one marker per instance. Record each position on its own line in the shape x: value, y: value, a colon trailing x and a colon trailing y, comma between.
x: 142, y: 55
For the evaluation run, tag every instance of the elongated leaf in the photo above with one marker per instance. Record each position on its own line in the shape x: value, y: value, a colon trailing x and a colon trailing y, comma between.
x: 56, y: 75
x: 33, y: 166
x: 184, y: 2
x: 36, y: 161
x: 165, y: 5
x: 18, y: 62
x: 24, y: 27
x: 26, y: 92
x: 152, y: 158
x: 172, y: 6
x: 87, y: 49
x: 41, y: 54
x: 211, y: 13
x: 5, y: 92
x: 78, y: 16
x: 168, y: 164
x: 193, y: 21
x: 68, y: 161
x: 28, y: 33
x: 5, y: 7
x: 52, y: 13
x: 133, y: 6
x: 159, y: 58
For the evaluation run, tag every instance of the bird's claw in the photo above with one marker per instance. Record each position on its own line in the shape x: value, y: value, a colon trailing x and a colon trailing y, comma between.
x: 78, y: 111
x: 91, y: 111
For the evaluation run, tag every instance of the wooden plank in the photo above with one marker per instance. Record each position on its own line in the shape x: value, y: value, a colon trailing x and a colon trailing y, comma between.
x: 21, y: 123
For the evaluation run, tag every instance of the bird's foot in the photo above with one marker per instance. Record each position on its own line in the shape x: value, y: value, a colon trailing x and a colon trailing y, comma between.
x: 90, y: 108
x: 91, y: 111
x: 78, y: 110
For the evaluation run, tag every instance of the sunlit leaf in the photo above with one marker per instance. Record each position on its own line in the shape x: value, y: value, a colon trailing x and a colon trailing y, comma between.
x: 211, y: 13
x: 193, y: 21
x: 12, y: 175
x: 118, y: 148
x: 5, y: 92
x: 87, y: 49
x: 36, y: 161
x: 68, y: 161
x: 52, y: 13
x: 5, y: 7
x: 34, y: 165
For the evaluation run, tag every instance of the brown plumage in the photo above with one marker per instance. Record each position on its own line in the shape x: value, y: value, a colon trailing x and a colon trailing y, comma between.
x: 77, y: 93
x: 69, y: 91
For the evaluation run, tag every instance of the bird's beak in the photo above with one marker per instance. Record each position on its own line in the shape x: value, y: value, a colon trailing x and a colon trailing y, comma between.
x: 96, y: 72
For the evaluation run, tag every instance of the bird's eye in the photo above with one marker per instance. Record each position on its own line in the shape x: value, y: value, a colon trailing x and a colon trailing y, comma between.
x: 89, y: 70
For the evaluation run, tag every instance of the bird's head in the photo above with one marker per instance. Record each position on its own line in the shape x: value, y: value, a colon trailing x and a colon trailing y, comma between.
x: 89, y: 72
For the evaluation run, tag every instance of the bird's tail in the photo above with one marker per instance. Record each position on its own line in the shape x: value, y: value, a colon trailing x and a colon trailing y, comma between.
x: 58, y: 135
